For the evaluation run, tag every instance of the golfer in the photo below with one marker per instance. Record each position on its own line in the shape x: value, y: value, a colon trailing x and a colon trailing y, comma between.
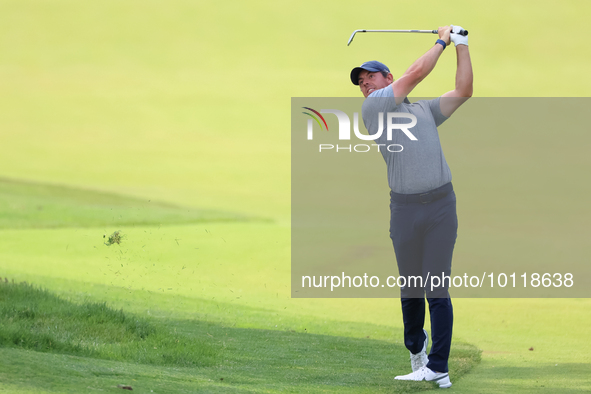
x: 423, y: 222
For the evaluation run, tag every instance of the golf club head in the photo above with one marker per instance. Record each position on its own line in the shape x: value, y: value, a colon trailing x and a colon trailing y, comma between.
x: 352, y: 36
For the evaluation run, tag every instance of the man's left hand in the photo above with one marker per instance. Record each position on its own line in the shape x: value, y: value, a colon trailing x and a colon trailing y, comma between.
x: 458, y: 39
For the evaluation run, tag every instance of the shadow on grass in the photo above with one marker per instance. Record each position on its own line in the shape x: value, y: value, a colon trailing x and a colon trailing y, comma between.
x: 239, y: 358
x: 315, y: 362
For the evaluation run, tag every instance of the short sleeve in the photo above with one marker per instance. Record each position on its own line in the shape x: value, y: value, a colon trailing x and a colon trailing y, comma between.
x: 384, y: 92
x: 435, y: 107
x: 381, y: 100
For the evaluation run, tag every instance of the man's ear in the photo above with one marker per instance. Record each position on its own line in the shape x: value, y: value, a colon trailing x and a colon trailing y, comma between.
x: 390, y: 78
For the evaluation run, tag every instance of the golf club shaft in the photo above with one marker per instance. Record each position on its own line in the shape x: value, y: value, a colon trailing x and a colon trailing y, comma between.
x: 396, y: 31
x: 462, y: 32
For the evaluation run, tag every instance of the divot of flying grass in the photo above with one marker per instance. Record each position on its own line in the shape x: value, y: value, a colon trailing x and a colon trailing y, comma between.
x: 114, y: 238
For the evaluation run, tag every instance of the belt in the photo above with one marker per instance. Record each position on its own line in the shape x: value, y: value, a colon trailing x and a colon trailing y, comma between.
x: 423, y: 198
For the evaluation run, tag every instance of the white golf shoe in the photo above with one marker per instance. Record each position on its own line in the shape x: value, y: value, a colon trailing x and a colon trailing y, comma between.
x: 442, y: 379
x: 419, y: 360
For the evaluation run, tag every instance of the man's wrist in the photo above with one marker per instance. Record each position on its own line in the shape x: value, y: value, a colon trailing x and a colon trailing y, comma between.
x: 441, y: 42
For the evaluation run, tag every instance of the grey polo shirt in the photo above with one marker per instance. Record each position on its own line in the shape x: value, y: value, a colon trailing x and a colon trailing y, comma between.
x: 420, y: 166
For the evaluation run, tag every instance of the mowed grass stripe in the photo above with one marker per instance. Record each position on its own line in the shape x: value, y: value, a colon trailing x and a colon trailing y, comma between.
x: 36, y: 205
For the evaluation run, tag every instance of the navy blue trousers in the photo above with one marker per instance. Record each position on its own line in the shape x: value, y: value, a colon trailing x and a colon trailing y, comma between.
x: 424, y: 236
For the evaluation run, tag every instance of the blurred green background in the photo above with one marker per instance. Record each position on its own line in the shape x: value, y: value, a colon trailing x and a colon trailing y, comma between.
x: 188, y: 101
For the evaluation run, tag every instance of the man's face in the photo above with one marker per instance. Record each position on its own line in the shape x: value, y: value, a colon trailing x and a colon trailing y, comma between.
x: 370, y: 81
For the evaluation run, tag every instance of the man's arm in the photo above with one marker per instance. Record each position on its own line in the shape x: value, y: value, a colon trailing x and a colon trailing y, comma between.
x: 420, y: 68
x: 452, y: 100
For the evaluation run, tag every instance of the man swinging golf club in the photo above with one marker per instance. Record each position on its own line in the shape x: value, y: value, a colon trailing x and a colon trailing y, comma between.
x: 423, y: 221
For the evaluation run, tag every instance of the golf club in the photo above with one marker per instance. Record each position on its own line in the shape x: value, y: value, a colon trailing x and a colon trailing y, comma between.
x: 462, y: 32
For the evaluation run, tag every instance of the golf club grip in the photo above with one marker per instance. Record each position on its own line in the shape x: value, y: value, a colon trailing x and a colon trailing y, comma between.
x: 462, y: 32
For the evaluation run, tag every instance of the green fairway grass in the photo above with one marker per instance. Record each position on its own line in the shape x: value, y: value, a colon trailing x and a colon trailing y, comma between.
x: 169, y: 122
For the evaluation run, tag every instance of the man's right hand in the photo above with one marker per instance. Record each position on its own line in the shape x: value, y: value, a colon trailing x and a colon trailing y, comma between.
x: 420, y: 68
x: 444, y: 34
